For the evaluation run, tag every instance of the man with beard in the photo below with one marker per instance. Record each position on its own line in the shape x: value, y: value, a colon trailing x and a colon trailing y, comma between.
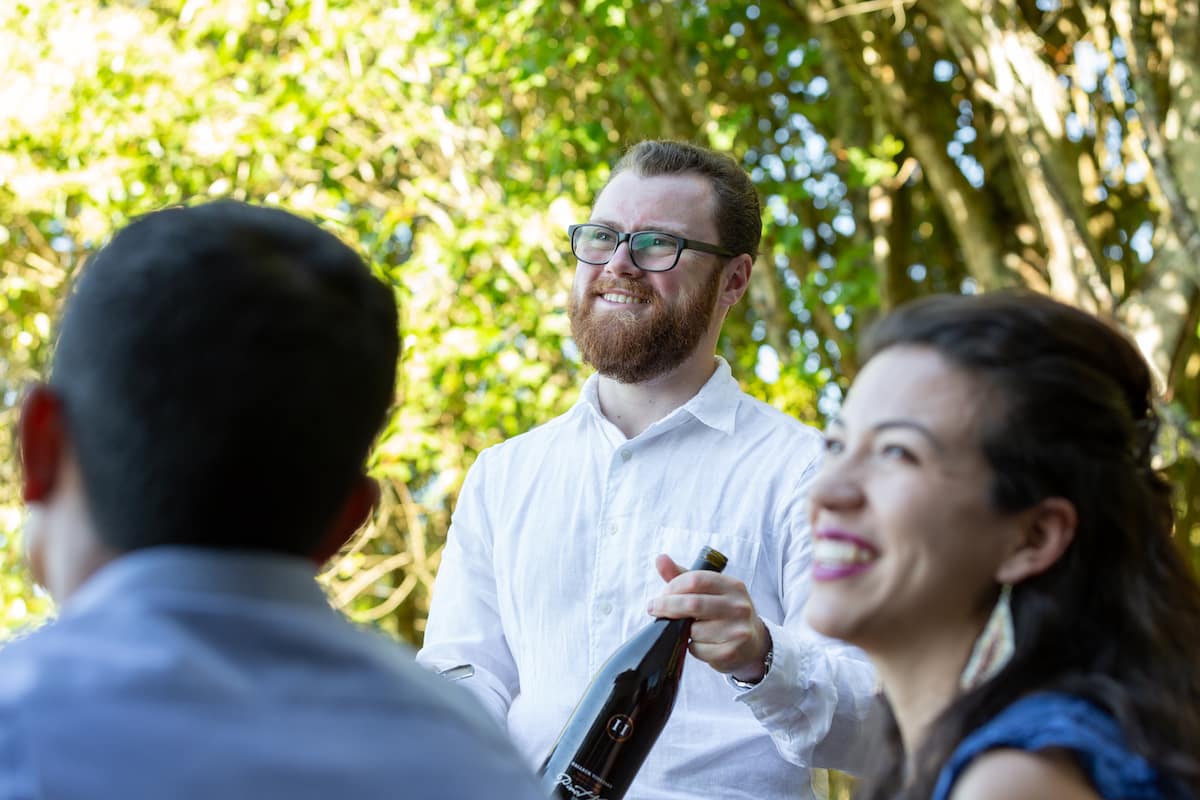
x: 563, y: 534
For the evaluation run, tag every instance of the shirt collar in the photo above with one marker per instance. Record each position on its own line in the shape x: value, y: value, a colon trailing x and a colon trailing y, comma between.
x: 199, y: 570
x: 715, y: 405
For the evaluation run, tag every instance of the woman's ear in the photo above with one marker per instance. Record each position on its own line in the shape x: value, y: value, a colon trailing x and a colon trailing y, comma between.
x: 1048, y: 530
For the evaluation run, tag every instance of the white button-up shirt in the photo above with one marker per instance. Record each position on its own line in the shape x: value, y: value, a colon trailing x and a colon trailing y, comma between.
x: 549, y: 567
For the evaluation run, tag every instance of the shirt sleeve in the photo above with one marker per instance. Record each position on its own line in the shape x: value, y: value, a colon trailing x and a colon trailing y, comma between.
x: 819, y: 691
x: 464, y: 625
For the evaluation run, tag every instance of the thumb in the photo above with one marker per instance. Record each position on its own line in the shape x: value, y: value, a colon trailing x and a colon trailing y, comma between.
x: 667, y: 568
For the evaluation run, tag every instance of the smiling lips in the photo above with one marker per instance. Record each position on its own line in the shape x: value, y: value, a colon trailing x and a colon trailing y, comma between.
x: 613, y: 297
x: 837, y: 555
x: 621, y: 291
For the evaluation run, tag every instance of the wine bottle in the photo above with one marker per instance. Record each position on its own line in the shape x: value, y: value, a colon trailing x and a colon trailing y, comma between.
x: 623, y: 710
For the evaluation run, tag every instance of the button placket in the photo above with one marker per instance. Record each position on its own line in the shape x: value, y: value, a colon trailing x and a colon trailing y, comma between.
x: 607, y: 607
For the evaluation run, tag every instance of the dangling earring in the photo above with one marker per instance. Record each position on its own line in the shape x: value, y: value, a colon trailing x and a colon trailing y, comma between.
x: 995, y: 646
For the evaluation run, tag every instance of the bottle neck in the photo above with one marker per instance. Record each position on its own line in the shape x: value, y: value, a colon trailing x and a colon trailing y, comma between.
x: 703, y: 563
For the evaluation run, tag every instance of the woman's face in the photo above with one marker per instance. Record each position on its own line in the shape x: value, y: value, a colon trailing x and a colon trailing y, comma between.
x: 905, y: 540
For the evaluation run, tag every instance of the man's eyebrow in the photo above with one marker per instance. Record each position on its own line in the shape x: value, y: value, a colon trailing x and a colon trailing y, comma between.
x: 661, y: 227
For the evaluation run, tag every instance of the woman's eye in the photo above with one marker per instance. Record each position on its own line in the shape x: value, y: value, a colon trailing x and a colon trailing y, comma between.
x: 896, y: 451
x: 833, y: 446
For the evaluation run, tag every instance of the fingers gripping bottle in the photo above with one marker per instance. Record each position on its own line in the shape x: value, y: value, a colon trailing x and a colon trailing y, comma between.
x: 623, y: 710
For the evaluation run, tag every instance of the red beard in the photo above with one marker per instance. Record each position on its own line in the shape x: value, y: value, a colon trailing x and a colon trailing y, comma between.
x: 635, y: 347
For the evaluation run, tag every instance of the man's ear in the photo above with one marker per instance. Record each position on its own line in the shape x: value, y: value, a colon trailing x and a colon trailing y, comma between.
x: 42, y: 439
x: 353, y: 514
x: 736, y: 280
x: 1048, y: 531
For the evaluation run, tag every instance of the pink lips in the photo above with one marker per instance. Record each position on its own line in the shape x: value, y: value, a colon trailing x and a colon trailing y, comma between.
x: 823, y: 572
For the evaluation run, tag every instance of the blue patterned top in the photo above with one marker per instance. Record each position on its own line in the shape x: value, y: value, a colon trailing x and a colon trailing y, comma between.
x: 1048, y: 720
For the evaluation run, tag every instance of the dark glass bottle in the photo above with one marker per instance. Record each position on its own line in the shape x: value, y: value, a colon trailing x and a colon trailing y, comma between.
x: 624, y: 709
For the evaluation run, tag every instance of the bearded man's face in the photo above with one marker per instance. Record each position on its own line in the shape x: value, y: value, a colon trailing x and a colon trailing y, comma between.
x: 633, y: 326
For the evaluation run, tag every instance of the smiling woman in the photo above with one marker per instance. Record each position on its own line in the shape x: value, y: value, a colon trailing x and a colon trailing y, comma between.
x: 989, y: 529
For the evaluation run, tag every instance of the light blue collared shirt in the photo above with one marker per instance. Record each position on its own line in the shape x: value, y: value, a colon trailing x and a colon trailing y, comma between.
x: 180, y: 673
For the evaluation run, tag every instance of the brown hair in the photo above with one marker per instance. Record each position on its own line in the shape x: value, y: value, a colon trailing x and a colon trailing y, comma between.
x: 738, y: 214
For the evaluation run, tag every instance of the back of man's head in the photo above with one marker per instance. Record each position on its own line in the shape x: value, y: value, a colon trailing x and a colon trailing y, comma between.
x: 224, y: 370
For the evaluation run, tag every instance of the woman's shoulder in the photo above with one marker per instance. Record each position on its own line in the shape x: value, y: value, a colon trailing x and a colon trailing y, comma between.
x: 1052, y: 737
x: 1003, y: 774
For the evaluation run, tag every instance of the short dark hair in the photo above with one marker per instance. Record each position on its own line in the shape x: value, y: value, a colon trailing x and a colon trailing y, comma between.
x: 224, y: 370
x: 738, y: 213
x: 1115, y: 619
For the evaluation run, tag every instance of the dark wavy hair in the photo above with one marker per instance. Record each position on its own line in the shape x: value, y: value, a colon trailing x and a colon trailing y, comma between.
x: 1117, y: 619
x: 738, y: 213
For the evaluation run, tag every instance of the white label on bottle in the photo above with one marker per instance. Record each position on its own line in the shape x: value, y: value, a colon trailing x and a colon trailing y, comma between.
x: 575, y: 765
x: 578, y: 792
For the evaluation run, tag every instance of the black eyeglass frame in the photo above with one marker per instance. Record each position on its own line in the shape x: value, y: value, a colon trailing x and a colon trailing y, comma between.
x: 681, y: 244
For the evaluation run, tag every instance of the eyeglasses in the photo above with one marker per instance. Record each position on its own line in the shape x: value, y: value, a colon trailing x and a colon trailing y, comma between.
x: 652, y: 251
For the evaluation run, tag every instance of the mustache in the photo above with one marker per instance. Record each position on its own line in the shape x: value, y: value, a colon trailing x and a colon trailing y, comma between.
x: 636, y: 290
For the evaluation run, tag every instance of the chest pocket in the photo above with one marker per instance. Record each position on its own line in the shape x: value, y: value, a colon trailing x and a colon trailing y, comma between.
x: 683, y: 545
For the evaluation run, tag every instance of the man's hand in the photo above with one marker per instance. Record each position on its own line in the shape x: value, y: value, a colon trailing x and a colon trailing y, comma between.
x: 727, y: 633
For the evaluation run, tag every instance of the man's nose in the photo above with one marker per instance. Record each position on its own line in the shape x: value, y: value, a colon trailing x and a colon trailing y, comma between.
x: 621, y: 262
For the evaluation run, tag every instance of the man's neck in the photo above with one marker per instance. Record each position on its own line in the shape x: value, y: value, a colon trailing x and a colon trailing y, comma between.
x: 633, y: 407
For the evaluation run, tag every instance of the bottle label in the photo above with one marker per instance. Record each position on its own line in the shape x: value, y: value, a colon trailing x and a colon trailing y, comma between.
x: 584, y: 785
x: 619, y: 727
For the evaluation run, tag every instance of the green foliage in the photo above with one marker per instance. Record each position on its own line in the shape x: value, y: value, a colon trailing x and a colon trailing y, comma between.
x: 350, y: 112
x: 453, y: 143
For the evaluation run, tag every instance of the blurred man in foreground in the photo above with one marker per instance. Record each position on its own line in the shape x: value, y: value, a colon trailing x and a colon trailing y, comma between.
x: 220, y: 374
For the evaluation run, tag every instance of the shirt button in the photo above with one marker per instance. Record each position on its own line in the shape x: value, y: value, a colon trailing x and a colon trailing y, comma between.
x: 626, y: 455
x: 611, y: 530
x: 606, y: 609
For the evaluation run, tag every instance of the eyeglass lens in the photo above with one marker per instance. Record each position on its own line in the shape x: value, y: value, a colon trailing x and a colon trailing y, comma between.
x: 595, y: 244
